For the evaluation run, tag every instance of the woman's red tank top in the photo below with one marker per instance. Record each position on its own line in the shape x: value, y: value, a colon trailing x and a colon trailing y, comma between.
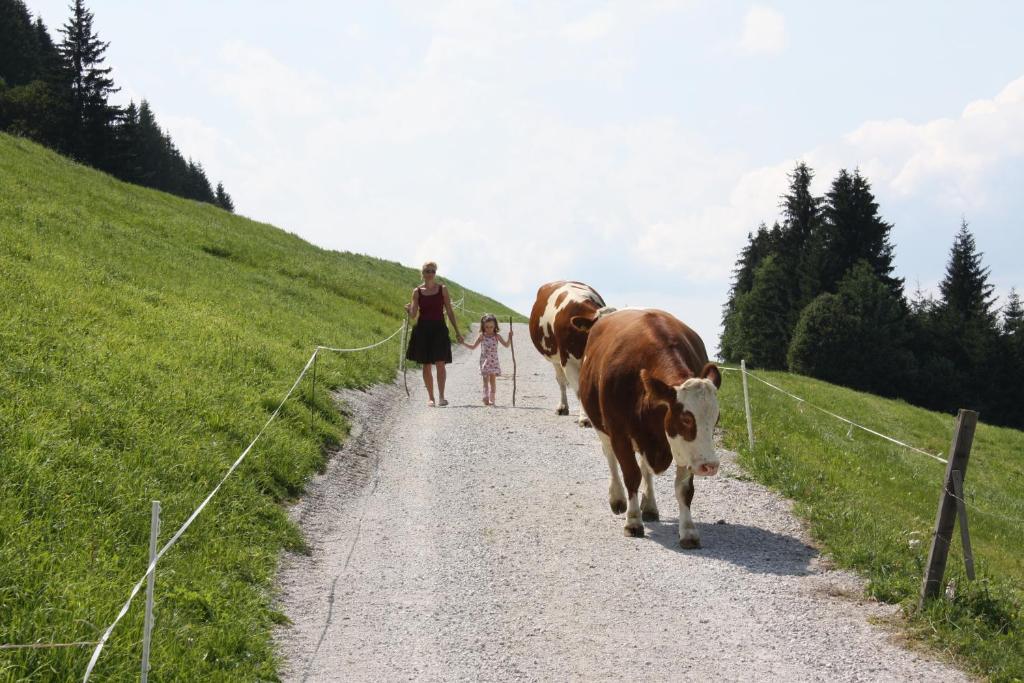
x: 431, y: 305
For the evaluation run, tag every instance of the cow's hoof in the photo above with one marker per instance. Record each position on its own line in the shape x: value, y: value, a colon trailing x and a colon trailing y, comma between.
x: 584, y: 422
x: 649, y: 515
x: 617, y: 506
x: 561, y: 411
x: 689, y: 543
x: 633, y: 531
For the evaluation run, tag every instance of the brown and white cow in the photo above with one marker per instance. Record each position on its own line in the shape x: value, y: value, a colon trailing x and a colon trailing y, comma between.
x: 557, y: 339
x: 649, y: 389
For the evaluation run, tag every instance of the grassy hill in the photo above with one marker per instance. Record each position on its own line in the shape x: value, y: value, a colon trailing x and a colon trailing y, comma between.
x: 872, y: 506
x: 144, y: 340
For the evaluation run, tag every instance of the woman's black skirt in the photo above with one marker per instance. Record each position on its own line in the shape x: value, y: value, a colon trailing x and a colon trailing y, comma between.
x: 429, y: 342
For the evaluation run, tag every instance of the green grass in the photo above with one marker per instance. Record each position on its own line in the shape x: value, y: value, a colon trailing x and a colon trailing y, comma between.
x: 144, y: 340
x: 872, y: 505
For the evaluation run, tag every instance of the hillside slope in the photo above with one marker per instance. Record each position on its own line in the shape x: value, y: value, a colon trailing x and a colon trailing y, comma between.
x: 144, y: 340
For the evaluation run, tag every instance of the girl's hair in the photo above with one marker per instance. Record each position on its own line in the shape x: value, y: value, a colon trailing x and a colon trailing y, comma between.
x: 492, y: 318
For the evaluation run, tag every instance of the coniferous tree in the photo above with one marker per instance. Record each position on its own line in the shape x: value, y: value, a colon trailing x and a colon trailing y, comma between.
x: 853, y: 231
x: 760, y: 245
x: 761, y: 317
x: 91, y: 116
x: 966, y: 292
x: 1009, y: 374
x: 1013, y: 315
x: 965, y: 325
x: 799, y: 246
x: 19, y: 54
x: 128, y: 164
x: 224, y: 199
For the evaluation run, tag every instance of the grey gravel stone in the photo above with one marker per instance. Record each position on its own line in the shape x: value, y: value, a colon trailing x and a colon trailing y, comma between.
x: 469, y: 543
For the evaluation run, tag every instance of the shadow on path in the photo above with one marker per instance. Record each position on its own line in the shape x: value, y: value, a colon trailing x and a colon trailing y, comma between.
x: 756, y: 550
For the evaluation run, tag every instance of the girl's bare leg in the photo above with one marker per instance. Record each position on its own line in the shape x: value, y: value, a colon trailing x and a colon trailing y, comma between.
x: 428, y: 380
x: 442, y: 374
x: 494, y: 386
x: 487, y: 399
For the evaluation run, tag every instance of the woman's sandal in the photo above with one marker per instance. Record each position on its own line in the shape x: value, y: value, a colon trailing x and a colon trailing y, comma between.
x: 442, y: 402
x: 430, y: 403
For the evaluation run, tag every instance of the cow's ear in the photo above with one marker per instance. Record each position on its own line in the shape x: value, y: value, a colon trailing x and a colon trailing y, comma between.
x: 582, y: 323
x: 656, y: 389
x: 712, y: 373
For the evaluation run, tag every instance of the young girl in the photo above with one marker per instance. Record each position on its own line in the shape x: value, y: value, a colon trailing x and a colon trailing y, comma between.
x: 489, y: 367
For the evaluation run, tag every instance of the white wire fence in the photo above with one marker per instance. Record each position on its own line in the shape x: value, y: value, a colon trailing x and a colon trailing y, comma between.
x: 310, y: 363
x: 188, y: 522
x: 855, y: 425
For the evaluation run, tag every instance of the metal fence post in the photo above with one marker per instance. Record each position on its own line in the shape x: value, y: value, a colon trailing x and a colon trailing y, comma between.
x: 746, y: 403
x: 147, y: 628
x: 945, y: 518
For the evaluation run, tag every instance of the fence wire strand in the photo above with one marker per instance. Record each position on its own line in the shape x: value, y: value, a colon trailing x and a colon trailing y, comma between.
x: 46, y: 646
x: 972, y: 506
x: 840, y: 417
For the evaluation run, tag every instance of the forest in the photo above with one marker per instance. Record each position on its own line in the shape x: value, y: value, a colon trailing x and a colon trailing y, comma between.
x: 58, y: 94
x: 816, y: 294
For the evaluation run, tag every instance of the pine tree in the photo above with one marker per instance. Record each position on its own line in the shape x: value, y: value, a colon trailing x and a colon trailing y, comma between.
x: 91, y: 116
x: 763, y: 333
x: 19, y: 54
x: 1013, y: 316
x: 759, y: 246
x: 853, y: 231
x: 224, y: 199
x: 799, y: 248
x: 965, y: 326
x: 128, y: 165
x: 966, y: 293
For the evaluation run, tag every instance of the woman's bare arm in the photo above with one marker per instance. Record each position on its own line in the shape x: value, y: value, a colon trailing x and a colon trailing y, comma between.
x: 451, y: 313
x: 413, y: 307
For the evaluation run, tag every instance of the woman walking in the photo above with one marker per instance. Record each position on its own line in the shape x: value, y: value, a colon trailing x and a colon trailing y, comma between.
x: 429, y: 343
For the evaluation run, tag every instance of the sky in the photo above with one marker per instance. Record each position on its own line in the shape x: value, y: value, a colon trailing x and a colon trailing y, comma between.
x: 631, y: 145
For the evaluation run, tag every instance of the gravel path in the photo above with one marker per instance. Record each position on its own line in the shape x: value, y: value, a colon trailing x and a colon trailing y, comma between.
x: 473, y: 543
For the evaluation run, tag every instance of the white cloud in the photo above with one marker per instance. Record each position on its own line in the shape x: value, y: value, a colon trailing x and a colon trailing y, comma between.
x: 456, y: 159
x: 949, y: 158
x: 764, y: 31
x: 593, y: 26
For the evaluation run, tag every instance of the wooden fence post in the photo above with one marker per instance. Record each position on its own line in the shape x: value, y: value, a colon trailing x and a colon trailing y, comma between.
x: 746, y: 403
x: 945, y: 518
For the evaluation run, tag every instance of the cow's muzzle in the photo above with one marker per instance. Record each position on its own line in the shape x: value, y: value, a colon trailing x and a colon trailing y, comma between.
x: 706, y: 469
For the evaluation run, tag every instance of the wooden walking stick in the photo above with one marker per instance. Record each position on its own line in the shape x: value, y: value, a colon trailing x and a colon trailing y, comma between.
x: 405, y: 339
x: 512, y: 345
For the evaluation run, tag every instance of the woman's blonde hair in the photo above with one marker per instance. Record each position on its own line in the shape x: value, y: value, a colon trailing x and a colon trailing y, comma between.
x: 429, y: 264
x: 489, y: 316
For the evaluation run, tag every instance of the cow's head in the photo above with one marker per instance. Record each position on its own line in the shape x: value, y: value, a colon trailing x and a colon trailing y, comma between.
x: 691, y: 417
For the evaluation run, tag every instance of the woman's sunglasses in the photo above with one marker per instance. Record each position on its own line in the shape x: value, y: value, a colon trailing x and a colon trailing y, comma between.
x: 429, y: 272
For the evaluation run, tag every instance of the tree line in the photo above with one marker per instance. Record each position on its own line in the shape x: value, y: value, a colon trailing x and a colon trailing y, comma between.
x: 58, y: 94
x: 816, y: 294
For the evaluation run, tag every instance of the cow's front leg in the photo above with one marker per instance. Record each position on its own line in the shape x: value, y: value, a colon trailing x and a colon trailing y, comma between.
x: 688, y: 535
x: 648, y: 505
x: 631, y: 475
x: 616, y: 497
x: 563, y: 405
